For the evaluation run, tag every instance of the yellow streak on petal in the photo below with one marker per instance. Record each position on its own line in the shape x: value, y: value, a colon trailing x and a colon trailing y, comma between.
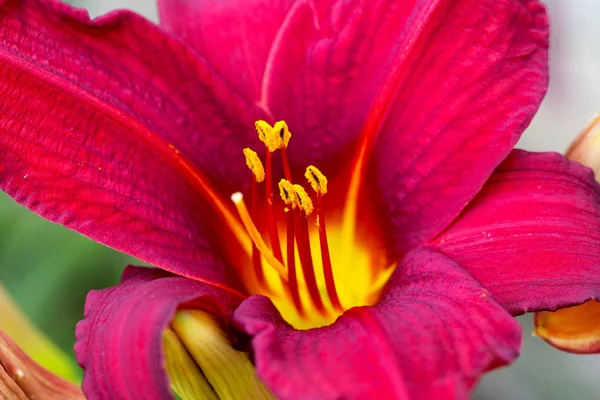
x: 185, y: 376
x: 33, y: 341
x: 349, y: 215
x: 230, y: 372
x: 359, y: 288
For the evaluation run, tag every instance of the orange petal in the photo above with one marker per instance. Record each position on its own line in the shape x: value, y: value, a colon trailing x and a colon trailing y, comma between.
x: 573, y: 329
x: 22, y: 378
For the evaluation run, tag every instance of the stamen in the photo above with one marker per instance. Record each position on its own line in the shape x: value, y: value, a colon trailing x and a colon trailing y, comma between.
x: 303, y: 240
x: 318, y: 181
x: 287, y: 172
x: 238, y: 201
x: 289, y: 198
x: 271, y: 216
x: 254, y: 164
x: 256, y: 262
x: 281, y: 130
x: 304, y: 202
x: 264, y: 130
x: 286, y: 191
x: 267, y: 135
x: 291, y: 265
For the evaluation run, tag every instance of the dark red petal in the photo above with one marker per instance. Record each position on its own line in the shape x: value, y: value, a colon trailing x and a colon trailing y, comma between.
x: 425, y: 74
x: 474, y: 77
x: 235, y: 36
x: 532, y: 236
x: 433, y: 333
x: 95, y: 118
x: 119, y: 341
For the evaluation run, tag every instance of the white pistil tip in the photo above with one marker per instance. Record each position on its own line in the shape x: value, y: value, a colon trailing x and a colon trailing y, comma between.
x: 237, y: 197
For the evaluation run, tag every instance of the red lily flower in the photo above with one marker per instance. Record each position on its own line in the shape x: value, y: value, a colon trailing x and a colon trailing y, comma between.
x: 132, y: 134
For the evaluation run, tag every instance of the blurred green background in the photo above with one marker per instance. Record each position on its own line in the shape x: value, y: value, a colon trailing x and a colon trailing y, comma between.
x: 49, y: 269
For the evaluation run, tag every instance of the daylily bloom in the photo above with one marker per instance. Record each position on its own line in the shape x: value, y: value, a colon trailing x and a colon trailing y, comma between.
x: 391, y: 270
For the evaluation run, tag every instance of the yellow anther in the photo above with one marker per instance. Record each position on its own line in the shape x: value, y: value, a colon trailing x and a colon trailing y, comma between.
x: 264, y: 130
x: 282, y: 134
x: 255, y: 165
x: 304, y: 202
x: 267, y: 135
x: 317, y: 180
x: 286, y: 190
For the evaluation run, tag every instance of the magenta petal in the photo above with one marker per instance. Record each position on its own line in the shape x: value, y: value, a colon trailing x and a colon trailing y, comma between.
x: 433, y: 333
x: 235, y: 36
x: 119, y: 341
x: 473, y: 78
x: 532, y: 236
x: 94, y: 120
x: 426, y: 76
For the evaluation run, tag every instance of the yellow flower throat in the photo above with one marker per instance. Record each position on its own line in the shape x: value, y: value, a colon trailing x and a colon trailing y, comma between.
x: 312, y: 273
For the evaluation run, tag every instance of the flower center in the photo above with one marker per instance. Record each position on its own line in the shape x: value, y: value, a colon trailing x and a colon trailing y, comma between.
x: 313, y: 269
